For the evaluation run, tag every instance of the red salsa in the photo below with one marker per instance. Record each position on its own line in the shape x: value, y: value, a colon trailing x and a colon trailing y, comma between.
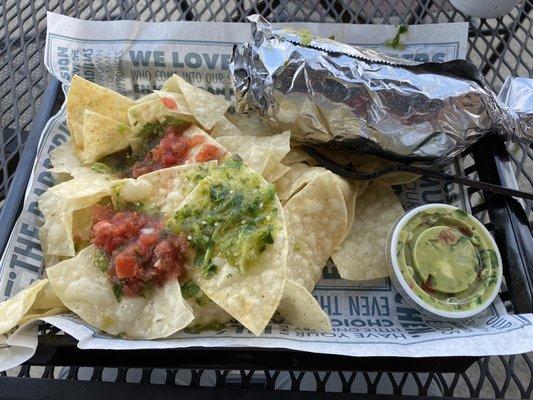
x: 162, y: 145
x: 174, y: 149
x: 139, y: 252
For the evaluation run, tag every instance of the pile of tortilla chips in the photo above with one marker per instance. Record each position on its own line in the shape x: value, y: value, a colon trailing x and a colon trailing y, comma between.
x: 321, y: 216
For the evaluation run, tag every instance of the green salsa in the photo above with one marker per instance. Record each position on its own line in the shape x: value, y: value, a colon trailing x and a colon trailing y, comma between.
x: 306, y: 37
x: 395, y: 42
x: 447, y: 260
x: 234, y: 217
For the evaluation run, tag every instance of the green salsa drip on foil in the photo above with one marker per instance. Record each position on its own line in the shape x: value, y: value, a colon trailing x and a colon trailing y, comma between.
x: 448, y: 262
x: 234, y: 217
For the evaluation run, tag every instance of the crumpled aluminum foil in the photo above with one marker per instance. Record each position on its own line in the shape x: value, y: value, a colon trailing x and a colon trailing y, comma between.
x: 517, y: 94
x: 357, y: 99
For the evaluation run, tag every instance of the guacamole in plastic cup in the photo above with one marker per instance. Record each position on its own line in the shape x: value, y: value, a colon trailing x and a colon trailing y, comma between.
x: 444, y: 261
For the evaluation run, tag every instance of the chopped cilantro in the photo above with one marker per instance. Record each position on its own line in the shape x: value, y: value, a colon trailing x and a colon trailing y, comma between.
x: 189, y: 289
x: 197, y: 174
x: 101, y: 260
x: 100, y: 167
x: 210, y: 270
x: 117, y: 291
x: 203, y: 300
x: 116, y: 189
x: 461, y: 214
x: 157, y: 128
x: 119, y: 162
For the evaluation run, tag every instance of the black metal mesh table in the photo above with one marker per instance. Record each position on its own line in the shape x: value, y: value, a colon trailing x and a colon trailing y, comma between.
x: 500, y: 47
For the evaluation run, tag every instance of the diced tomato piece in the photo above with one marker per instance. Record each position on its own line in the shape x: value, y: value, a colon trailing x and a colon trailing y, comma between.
x: 157, y: 152
x: 170, y: 150
x: 179, y: 146
x: 169, y: 159
x: 125, y: 265
x: 175, y: 129
x: 195, y: 140
x: 140, y: 249
x: 149, y: 239
x: 208, y: 152
x: 169, y: 103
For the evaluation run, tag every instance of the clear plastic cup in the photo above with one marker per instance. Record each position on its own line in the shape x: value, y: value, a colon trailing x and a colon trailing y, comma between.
x: 434, y: 302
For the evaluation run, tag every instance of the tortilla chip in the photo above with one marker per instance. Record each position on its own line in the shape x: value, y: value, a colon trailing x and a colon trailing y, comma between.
x: 207, y: 313
x: 103, y: 136
x: 56, y: 237
x: 253, y: 295
x: 46, y: 298
x: 276, y: 172
x: 356, y: 189
x: 81, y: 227
x: 148, y: 97
x: 250, y: 124
x: 206, y: 108
x: 59, y: 203
x: 86, y: 290
x: 64, y: 160
x: 13, y: 309
x: 316, y: 222
x: 295, y: 179
x: 300, y: 309
x: 259, y: 153
x: 297, y: 155
x: 38, y: 313
x: 155, y: 110
x: 362, y: 255
x: 195, y: 131
x: 87, y: 95
x: 224, y: 127
x: 164, y: 189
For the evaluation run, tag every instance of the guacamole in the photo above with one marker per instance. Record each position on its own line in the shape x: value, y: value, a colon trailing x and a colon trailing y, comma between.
x: 447, y: 260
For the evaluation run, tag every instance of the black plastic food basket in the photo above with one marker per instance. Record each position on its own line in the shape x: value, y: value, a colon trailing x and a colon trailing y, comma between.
x: 257, y: 373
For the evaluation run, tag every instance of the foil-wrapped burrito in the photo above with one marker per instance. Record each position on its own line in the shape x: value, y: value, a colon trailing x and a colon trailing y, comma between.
x: 357, y: 99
